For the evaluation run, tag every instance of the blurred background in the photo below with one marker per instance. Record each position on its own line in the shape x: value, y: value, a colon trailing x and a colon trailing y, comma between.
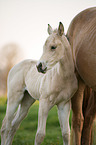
x: 23, y: 28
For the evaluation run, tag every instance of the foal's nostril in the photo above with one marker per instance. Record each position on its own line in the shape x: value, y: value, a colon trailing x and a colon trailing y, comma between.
x: 39, y: 67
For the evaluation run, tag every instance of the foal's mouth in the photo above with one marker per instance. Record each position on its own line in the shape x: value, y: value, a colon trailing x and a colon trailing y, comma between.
x: 39, y: 68
x: 43, y: 71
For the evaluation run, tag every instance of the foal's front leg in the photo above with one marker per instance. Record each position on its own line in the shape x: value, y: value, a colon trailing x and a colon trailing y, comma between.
x: 63, y: 114
x: 44, y: 107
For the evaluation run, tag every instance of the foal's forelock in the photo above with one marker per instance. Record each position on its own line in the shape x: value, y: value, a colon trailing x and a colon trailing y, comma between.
x: 55, y: 31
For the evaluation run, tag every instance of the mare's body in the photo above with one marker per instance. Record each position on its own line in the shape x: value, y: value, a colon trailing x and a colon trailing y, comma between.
x: 82, y: 37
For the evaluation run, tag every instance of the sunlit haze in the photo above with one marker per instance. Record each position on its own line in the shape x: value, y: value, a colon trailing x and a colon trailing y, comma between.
x: 24, y: 22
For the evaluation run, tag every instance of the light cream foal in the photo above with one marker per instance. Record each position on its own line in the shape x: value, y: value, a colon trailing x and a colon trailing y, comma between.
x: 51, y: 80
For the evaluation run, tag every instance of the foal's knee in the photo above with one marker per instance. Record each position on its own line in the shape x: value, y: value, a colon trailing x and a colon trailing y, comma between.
x: 2, y: 132
x: 66, y: 137
x: 3, y: 126
x: 39, y: 138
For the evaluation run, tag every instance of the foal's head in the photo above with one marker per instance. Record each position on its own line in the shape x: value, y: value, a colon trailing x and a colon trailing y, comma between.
x: 53, y: 50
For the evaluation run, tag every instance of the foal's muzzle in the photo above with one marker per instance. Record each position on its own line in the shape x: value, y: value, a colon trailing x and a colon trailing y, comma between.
x: 41, y: 67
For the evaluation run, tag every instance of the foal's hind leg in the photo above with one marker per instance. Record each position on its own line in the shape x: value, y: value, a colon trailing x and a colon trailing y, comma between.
x: 63, y: 114
x: 12, y: 104
x: 21, y: 113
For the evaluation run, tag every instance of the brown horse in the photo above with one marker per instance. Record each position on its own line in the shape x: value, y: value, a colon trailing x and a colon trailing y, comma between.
x: 82, y: 37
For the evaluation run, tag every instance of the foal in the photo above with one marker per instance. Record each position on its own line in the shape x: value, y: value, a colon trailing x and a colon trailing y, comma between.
x: 51, y: 80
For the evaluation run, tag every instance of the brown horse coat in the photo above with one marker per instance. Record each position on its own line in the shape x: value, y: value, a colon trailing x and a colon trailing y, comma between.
x: 82, y: 36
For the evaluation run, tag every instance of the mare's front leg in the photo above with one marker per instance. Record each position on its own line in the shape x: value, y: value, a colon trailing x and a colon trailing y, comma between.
x: 77, y: 119
x: 63, y: 114
x: 90, y: 115
x: 44, y: 107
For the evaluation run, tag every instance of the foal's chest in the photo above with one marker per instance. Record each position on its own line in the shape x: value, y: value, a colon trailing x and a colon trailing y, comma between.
x: 33, y: 80
x: 52, y: 83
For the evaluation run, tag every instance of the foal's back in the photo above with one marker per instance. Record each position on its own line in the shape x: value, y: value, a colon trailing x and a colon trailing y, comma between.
x: 82, y: 36
x: 16, y: 77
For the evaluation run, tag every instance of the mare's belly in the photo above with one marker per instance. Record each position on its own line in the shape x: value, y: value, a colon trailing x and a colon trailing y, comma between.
x: 86, y: 64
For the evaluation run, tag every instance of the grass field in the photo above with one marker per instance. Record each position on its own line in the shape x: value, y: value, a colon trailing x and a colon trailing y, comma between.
x: 25, y: 135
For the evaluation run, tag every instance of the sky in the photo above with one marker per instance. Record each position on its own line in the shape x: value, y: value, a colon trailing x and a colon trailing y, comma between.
x: 25, y: 22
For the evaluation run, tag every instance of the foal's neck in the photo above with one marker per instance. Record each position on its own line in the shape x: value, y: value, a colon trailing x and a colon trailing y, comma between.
x: 66, y: 62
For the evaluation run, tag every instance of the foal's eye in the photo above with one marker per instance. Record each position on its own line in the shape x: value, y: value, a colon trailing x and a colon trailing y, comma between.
x: 53, y: 47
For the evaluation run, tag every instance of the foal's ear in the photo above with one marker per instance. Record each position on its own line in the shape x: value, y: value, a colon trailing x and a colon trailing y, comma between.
x: 61, y: 29
x: 50, y: 30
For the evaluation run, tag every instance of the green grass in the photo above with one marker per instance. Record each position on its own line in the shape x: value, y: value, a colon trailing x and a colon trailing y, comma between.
x: 25, y: 135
